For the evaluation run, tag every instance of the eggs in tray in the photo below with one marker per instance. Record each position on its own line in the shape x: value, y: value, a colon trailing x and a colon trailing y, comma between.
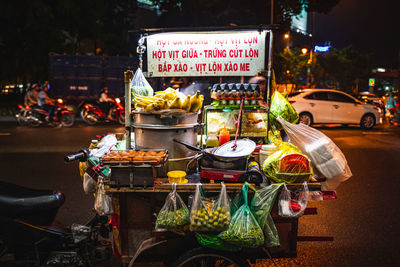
x: 137, y: 157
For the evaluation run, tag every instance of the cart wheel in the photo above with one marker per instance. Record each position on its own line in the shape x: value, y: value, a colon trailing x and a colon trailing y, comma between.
x: 209, y: 258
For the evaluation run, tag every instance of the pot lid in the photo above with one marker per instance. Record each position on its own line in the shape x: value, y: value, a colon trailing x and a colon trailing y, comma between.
x: 244, y: 147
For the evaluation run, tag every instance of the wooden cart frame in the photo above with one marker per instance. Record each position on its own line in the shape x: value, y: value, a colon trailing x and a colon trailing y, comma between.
x: 139, y: 242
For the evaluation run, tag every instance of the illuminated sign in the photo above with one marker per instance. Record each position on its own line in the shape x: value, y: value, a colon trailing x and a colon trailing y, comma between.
x: 371, y: 82
x: 206, y: 54
x: 323, y: 49
x: 299, y: 22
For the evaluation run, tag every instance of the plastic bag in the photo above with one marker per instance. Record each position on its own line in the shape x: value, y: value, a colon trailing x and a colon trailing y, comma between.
x: 80, y: 232
x: 261, y: 206
x: 325, y: 155
x: 82, y: 169
x: 89, y: 184
x: 139, y: 85
x: 104, y: 146
x: 281, y: 107
x: 287, y: 165
x: 103, y: 202
x: 293, y: 203
x: 174, y: 214
x: 208, y: 215
x: 244, y: 230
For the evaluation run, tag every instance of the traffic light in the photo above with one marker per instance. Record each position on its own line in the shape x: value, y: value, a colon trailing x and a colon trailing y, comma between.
x: 371, y: 82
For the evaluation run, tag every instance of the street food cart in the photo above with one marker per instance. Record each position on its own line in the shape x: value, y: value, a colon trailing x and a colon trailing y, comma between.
x: 138, y: 183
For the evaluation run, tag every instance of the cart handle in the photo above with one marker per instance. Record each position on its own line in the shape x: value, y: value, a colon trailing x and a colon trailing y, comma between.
x: 82, y: 155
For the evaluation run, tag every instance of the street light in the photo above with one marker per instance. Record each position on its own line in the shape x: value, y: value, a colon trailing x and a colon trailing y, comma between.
x: 304, y: 51
x: 286, y: 37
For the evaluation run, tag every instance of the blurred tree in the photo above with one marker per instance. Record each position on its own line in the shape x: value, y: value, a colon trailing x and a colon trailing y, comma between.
x: 30, y: 30
x: 27, y: 34
x: 252, y: 12
x: 291, y: 66
x: 342, y: 69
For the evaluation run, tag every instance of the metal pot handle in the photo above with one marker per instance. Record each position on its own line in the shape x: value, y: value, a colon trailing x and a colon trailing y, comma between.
x: 199, y: 127
x: 195, y: 158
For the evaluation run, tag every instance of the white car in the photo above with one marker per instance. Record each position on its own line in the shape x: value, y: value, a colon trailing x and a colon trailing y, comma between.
x: 332, y: 106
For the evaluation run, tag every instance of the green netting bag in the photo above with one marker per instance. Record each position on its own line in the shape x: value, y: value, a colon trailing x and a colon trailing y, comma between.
x: 213, y: 241
x: 261, y: 206
x: 174, y: 215
x: 244, y: 230
x: 281, y: 107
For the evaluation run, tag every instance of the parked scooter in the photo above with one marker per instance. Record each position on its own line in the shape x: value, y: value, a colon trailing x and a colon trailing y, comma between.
x: 29, y: 236
x: 35, y: 116
x: 93, y: 114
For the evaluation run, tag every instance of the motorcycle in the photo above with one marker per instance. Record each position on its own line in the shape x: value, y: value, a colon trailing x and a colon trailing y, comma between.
x: 92, y: 114
x: 392, y: 116
x: 35, y: 116
x: 31, y: 238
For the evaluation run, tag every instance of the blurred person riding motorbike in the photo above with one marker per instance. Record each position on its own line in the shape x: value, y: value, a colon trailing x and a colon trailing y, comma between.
x: 46, y: 103
x: 392, y: 109
x: 105, y: 102
x: 31, y: 97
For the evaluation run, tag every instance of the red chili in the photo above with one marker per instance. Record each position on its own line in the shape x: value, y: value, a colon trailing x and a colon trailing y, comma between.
x: 294, y: 206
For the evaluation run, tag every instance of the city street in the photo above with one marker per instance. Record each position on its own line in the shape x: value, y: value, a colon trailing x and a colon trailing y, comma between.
x: 364, y: 220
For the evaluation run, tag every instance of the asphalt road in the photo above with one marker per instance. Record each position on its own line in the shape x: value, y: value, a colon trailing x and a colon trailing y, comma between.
x: 364, y: 219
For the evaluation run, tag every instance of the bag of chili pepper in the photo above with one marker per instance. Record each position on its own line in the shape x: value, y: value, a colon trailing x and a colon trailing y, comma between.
x: 293, y: 203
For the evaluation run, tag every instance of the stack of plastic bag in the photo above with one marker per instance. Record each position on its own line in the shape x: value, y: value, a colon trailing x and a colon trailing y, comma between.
x: 325, y: 156
x: 174, y: 215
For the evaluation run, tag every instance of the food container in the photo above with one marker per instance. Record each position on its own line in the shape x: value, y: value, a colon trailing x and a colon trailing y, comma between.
x: 140, y: 157
x: 135, y: 169
x: 178, y: 177
x: 157, y: 130
x: 266, y: 151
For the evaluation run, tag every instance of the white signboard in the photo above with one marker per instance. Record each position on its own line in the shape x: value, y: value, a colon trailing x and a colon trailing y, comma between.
x: 206, y: 54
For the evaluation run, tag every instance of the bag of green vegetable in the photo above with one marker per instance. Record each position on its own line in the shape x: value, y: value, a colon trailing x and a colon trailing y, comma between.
x: 261, y: 206
x: 244, y: 230
x: 209, y: 215
x: 281, y: 107
x: 211, y: 240
x: 287, y: 165
x: 139, y: 85
x: 174, y: 214
x: 238, y: 201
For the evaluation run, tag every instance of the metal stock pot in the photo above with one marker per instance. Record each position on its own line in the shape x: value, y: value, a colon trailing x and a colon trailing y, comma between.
x: 158, y: 129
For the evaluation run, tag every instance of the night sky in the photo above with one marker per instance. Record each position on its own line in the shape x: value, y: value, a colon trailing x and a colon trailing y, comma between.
x: 371, y: 26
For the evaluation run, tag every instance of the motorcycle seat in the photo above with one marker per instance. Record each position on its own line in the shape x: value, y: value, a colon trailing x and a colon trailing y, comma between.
x: 33, y: 205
